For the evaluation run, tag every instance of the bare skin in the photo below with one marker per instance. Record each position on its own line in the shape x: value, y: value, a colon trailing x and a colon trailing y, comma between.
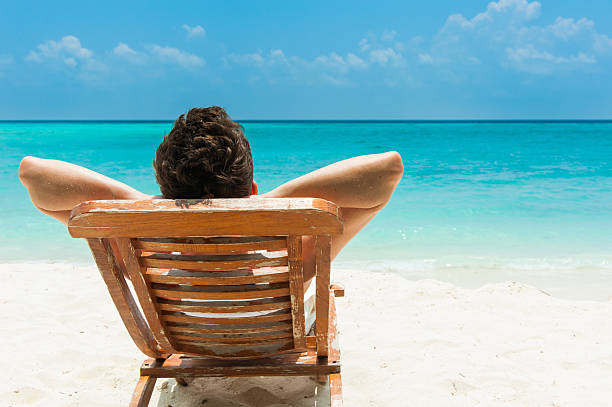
x: 361, y: 186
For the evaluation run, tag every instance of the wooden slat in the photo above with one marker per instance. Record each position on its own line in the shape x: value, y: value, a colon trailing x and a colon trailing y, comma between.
x: 230, y: 329
x: 283, y: 315
x: 221, y: 295
x: 333, y: 347
x: 322, y: 258
x: 179, y: 218
x: 144, y: 387
x: 335, y: 390
x: 178, y: 277
x: 221, y: 343
x: 332, y: 331
x: 240, y: 352
x: 214, y: 263
x: 147, y: 302
x: 122, y: 297
x: 296, y: 288
x: 239, y: 339
x: 210, y: 246
x: 304, y: 364
x: 224, y: 306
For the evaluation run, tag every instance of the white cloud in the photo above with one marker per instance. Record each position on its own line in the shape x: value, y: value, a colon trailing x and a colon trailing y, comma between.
x: 339, y: 63
x: 68, y: 50
x: 520, y: 10
x: 388, y: 35
x: 505, y: 35
x: 197, y: 31
x: 530, y: 53
x: 277, y: 56
x: 364, y: 45
x: 387, y: 56
x: 426, y: 59
x: 167, y: 55
x: 254, y: 59
x: 354, y: 61
x: 532, y: 60
x: 70, y: 62
x: 124, y: 51
x: 171, y: 55
x: 278, y: 67
x: 603, y: 43
x: 565, y: 28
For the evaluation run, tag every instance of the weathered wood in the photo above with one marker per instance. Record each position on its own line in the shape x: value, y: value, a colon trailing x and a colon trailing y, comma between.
x: 335, y: 390
x: 221, y: 343
x: 334, y: 351
x: 296, y: 288
x: 322, y: 259
x: 191, y: 278
x: 239, y: 353
x: 218, y: 274
x: 220, y: 295
x: 143, y: 391
x: 122, y: 297
x: 337, y: 289
x: 225, y: 306
x: 332, y: 331
x: 233, y: 329
x: 238, y: 339
x: 210, y: 246
x: 304, y: 364
x: 118, y: 258
x: 142, y: 288
x: 214, y: 263
x: 246, y: 217
x: 282, y: 315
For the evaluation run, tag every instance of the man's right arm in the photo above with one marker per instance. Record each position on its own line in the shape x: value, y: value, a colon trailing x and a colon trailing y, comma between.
x: 55, y: 187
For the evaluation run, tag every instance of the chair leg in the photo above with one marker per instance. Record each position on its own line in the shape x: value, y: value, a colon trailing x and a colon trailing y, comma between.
x: 335, y: 390
x: 142, y: 392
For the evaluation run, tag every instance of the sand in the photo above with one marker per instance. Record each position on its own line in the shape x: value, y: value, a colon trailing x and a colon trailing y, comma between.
x: 404, y: 343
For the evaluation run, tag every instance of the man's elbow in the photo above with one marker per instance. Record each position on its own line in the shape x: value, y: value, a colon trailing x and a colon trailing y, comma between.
x: 392, y: 170
x: 395, y: 166
x: 28, y: 170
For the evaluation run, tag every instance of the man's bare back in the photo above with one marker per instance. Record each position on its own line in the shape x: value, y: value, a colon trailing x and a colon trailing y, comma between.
x: 361, y: 186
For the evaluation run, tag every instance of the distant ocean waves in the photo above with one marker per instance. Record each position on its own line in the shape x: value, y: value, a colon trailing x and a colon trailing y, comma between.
x: 588, y: 278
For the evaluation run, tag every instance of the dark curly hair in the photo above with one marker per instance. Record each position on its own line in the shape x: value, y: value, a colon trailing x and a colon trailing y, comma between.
x: 205, y: 155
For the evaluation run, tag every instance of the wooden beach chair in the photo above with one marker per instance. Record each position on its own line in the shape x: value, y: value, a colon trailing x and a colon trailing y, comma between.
x: 220, y: 285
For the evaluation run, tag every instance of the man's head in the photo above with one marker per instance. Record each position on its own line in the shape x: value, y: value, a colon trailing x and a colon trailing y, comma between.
x: 205, y: 155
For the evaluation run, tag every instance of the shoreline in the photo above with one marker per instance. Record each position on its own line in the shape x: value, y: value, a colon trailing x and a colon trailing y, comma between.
x: 564, y: 278
x: 426, y: 341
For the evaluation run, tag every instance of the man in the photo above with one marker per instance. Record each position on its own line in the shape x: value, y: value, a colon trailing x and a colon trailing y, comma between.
x: 206, y: 155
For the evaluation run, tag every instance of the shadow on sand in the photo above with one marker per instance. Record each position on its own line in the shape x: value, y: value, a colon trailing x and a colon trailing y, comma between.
x: 288, y: 391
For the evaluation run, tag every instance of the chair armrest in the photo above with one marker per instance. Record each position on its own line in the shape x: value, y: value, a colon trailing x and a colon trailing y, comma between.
x: 337, y: 289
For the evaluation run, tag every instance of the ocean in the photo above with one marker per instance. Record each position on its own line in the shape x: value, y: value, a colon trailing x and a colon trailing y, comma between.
x: 479, y: 201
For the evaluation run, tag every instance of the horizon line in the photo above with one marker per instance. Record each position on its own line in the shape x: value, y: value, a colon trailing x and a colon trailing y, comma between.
x: 317, y: 120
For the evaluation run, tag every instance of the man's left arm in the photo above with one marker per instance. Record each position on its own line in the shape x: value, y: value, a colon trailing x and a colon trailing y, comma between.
x: 361, y: 186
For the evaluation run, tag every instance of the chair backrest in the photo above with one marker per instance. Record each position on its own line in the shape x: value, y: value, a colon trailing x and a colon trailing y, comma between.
x: 219, y: 278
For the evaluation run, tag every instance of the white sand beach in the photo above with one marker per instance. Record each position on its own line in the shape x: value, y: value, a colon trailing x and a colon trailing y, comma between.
x: 416, y: 343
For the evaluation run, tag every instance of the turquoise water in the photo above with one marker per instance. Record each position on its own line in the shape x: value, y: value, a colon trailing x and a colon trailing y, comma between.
x: 509, y: 196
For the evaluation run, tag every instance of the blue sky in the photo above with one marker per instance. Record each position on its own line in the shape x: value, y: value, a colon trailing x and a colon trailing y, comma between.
x: 307, y: 60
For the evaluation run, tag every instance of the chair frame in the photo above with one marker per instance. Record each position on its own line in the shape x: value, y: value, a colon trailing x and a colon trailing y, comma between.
x: 110, y: 226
